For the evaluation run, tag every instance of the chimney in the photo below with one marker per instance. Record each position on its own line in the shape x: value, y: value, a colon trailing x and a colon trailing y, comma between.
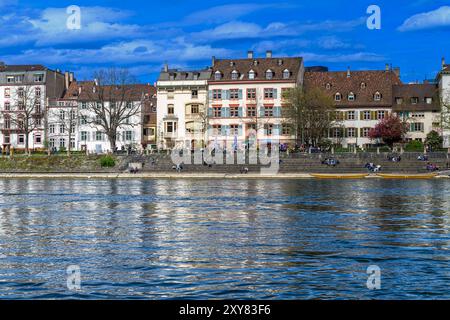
x: 213, y: 62
x: 66, y: 80
x: 443, y: 63
x: 166, y: 67
x: 96, y: 82
x: 387, y: 67
x: 348, y: 72
x: 268, y: 54
x: 397, y: 71
x: 71, y: 77
x: 79, y: 90
x: 249, y: 54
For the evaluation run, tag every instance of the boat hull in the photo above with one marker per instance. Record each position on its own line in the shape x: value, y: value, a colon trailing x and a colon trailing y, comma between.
x: 338, y: 176
x: 407, y: 176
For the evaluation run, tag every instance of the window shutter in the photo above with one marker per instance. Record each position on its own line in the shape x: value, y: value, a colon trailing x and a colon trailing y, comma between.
x: 345, y: 132
x: 240, y: 130
x: 240, y: 113
x: 373, y: 115
x: 210, y: 112
x: 261, y: 111
x: 356, y: 133
x: 277, y: 129
x: 240, y: 93
x: 361, y: 132
x: 361, y: 115
x: 275, y: 93
x: 210, y: 94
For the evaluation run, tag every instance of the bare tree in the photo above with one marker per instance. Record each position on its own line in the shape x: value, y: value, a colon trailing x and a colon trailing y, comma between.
x: 113, y: 101
x: 25, y: 112
x: 311, y: 115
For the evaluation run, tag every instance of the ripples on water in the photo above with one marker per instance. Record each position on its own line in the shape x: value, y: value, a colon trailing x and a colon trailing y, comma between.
x: 258, y: 239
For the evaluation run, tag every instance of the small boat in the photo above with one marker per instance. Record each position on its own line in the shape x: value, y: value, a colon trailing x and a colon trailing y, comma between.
x: 339, y: 175
x: 407, y: 176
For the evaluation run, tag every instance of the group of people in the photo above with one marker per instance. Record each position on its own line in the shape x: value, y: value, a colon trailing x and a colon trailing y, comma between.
x: 331, y: 162
x: 372, y: 167
x: 395, y: 158
x: 432, y: 167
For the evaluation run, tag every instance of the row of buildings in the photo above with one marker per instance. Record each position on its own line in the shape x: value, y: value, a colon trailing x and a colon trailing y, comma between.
x: 223, y: 103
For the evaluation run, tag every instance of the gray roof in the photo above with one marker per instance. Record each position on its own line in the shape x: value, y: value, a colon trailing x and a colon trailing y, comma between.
x: 182, y: 75
x: 21, y: 68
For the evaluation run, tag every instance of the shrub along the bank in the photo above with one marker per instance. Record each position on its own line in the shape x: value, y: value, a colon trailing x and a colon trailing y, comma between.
x: 414, y: 146
x: 107, y: 161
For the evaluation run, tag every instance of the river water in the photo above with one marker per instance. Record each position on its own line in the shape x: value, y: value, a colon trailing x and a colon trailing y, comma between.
x: 230, y: 239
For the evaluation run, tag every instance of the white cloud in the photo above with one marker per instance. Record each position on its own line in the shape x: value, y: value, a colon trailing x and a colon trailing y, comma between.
x: 427, y: 20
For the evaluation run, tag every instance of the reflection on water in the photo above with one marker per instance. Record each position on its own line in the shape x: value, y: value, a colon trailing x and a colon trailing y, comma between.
x: 262, y: 239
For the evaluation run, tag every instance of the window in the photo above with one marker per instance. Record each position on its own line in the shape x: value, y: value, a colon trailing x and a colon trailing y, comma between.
x: 336, y: 132
x: 37, y: 92
x: 217, y: 129
x: 129, y: 105
x: 98, y: 136
x: 217, y: 75
x: 72, y: 129
x: 269, y: 74
x: 38, y: 121
x: 399, y: 101
x: 170, y: 109
x: 286, y: 129
x: 366, y: 115
x: 351, y: 132
x: 234, y: 94
x: 195, y: 109
x: 363, y: 85
x: 6, y: 139
x: 7, y: 106
x: 7, y: 123
x: 365, y: 132
x: 194, y: 94
x: 337, y: 97
x: 37, y: 107
x: 51, y: 142
x: 428, y: 100
x: 217, y: 94
x: 72, y: 143
x: 38, y: 139
x: 286, y: 74
x: 417, y: 127
x: 21, y: 106
x: 7, y: 93
x: 351, y: 96
x: 98, y: 120
x: 62, y: 143
x: 20, y: 92
x: 83, y: 120
x: 234, y: 111
x: 83, y: 105
x: 414, y: 100
x: 234, y: 129
x: 351, y: 115
x: 62, y: 128
x: 217, y: 112
x: 328, y: 86
x: 251, y: 94
x: 170, y: 94
x: 251, y: 75
x: 51, y: 128
x: 381, y: 115
x: 234, y: 75
x: 268, y: 93
x: 72, y: 114
x: 128, y: 135
x: 268, y: 111
x: 268, y: 128
x: 84, y: 136
x: 38, y: 77
x: 251, y: 111
x: 377, y: 96
x: 62, y: 115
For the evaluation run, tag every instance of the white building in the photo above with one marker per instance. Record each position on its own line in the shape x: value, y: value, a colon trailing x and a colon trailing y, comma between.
x: 181, y: 108
x: 90, y: 135
x: 24, y: 90
x: 245, y: 96
x: 444, y: 92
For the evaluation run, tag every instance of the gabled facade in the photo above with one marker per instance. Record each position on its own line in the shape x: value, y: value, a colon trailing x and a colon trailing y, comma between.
x: 24, y: 91
x: 246, y: 96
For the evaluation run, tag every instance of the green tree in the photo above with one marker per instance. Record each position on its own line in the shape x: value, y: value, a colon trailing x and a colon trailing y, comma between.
x: 434, y: 140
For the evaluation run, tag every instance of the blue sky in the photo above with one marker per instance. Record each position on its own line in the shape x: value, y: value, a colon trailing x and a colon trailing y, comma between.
x: 142, y: 35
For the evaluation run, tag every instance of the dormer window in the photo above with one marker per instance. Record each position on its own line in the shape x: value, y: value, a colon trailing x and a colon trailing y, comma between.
x: 414, y: 100
x: 280, y: 62
x: 217, y: 75
x: 337, y: 97
x: 351, y: 96
x: 234, y: 75
x: 251, y: 74
x: 286, y: 74
x: 377, y: 96
x: 255, y: 62
x: 363, y: 85
x: 269, y: 74
x: 328, y: 86
x: 231, y: 64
